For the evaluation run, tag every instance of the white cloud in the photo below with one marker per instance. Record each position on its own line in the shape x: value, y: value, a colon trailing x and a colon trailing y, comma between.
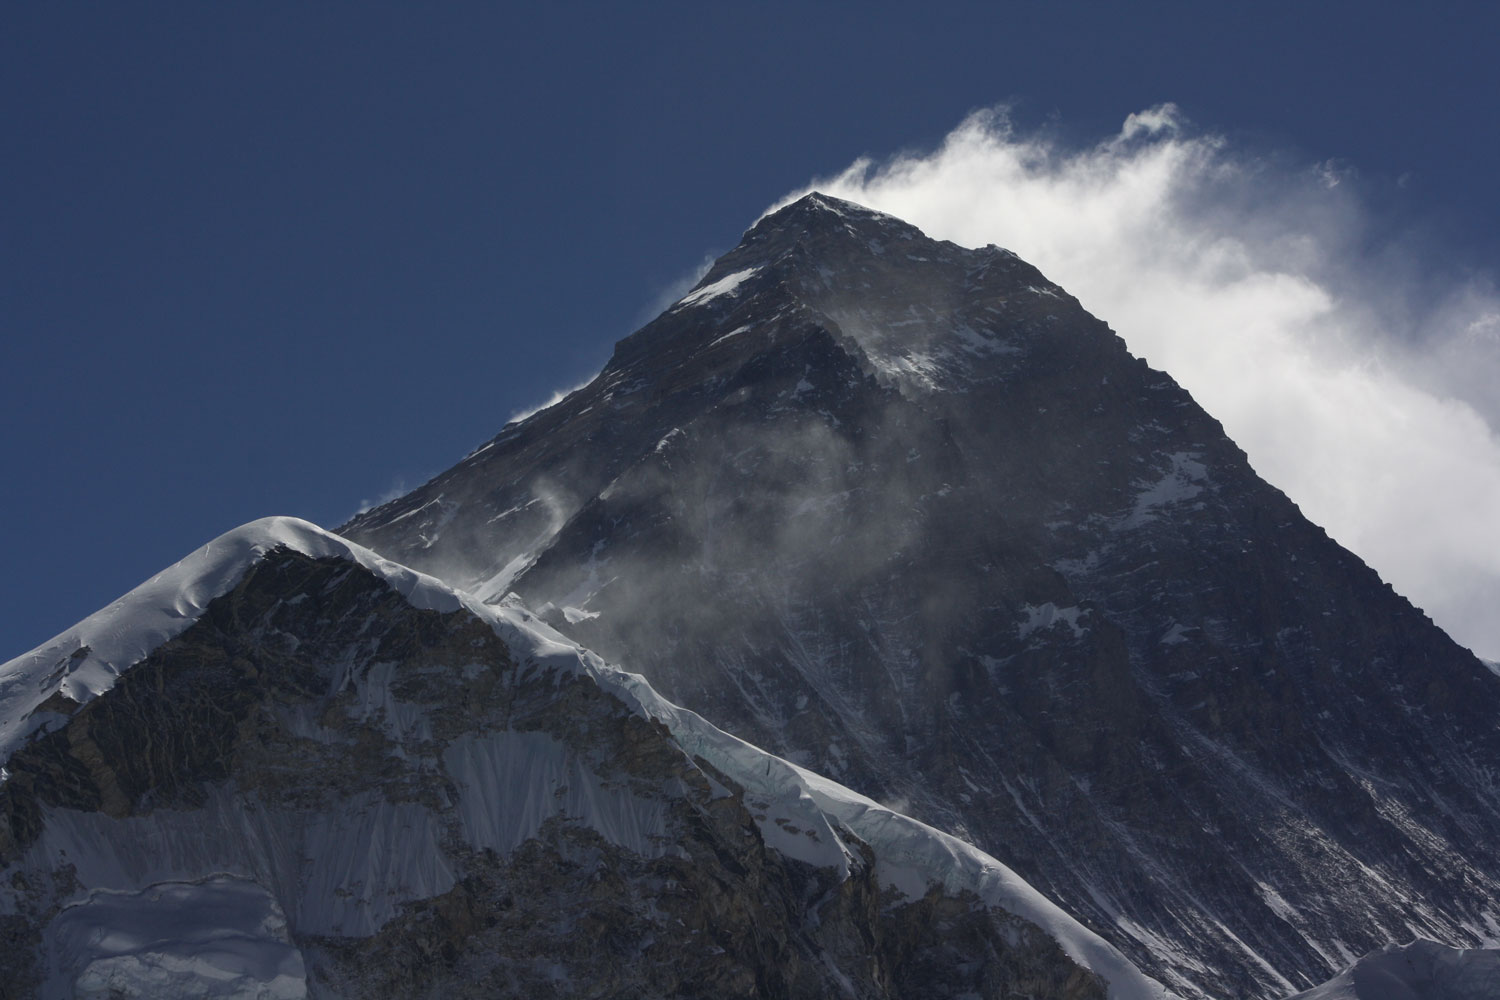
x: 1162, y: 118
x: 1358, y: 387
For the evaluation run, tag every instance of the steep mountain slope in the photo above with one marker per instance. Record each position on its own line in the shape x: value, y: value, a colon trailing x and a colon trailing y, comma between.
x: 286, y: 767
x: 905, y: 513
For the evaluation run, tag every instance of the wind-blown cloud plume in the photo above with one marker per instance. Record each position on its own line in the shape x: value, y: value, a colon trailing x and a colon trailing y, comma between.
x: 1355, y: 382
x: 558, y: 395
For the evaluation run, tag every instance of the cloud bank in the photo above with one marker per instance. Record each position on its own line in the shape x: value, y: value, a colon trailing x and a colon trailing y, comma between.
x: 1356, y: 382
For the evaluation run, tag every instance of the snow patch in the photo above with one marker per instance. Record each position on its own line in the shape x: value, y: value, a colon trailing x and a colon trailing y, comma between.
x: 666, y: 440
x: 728, y: 285
x: 1043, y: 616
x: 221, y: 937
x: 979, y: 342
x: 1176, y: 634
x: 908, y: 367
x: 1183, y: 482
x: 735, y: 332
x: 1277, y: 903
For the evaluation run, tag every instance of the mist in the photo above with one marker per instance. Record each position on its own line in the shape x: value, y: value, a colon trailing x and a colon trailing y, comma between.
x: 1358, y: 381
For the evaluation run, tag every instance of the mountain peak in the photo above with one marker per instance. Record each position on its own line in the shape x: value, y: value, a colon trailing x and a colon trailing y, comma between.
x: 816, y: 213
x: 891, y: 507
x: 816, y: 204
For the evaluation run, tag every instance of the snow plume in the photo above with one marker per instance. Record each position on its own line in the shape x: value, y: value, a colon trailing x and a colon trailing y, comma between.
x: 1360, y: 385
x: 558, y: 395
x: 676, y: 289
x: 400, y: 489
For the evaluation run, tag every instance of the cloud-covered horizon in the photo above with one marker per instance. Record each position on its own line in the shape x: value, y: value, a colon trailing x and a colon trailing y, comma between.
x: 1357, y: 381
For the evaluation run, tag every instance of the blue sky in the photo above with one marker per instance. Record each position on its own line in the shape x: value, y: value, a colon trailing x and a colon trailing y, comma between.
x: 284, y: 259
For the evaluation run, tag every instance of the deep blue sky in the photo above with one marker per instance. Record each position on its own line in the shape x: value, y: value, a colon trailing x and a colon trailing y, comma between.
x: 279, y: 258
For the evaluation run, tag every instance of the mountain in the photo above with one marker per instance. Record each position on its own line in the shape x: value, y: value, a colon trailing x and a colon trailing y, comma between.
x: 286, y: 767
x: 1035, y: 688
x: 905, y: 514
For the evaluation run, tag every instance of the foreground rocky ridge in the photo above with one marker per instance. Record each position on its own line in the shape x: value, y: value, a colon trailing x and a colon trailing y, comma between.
x: 339, y: 778
x: 905, y: 513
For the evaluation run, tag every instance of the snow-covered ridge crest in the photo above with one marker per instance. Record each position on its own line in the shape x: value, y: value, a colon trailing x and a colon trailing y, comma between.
x: 911, y: 856
x: 85, y: 661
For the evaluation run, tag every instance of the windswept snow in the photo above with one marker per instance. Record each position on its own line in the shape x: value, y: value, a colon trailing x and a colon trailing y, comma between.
x: 732, y: 333
x: 728, y: 285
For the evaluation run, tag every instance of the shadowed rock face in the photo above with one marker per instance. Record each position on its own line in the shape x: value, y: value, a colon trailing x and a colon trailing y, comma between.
x: 365, y: 799
x: 907, y: 514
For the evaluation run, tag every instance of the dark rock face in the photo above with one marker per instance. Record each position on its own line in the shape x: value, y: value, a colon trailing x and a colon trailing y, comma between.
x: 907, y: 514
x: 427, y: 812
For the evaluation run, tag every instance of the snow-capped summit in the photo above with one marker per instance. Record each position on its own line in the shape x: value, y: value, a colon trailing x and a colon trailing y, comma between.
x: 917, y: 531
x: 904, y: 513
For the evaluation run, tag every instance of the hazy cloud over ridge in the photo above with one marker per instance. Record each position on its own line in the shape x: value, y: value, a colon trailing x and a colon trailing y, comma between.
x: 1355, y: 382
